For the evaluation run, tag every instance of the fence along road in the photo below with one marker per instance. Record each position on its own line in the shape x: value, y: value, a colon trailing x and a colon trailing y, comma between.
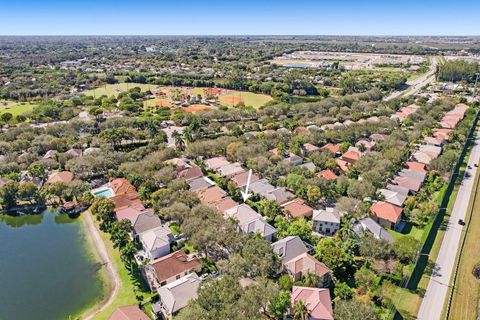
x: 433, y: 301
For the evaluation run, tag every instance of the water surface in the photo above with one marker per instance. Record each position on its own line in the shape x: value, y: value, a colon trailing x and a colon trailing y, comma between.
x: 47, y: 271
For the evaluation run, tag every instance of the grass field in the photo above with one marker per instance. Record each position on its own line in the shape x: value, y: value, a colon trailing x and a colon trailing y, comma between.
x: 115, y: 89
x: 15, y: 108
x: 466, y: 295
x: 248, y: 98
x: 126, y: 294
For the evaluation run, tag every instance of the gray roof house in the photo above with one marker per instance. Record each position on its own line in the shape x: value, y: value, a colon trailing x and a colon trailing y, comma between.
x: 393, y: 197
x: 289, y: 248
x: 175, y: 295
x: 280, y: 195
x: 309, y: 166
x: 156, y: 242
x: 249, y: 221
x: 326, y: 222
x: 200, y: 183
x: 417, y: 175
x: 145, y: 221
x: 261, y: 187
x: 230, y: 170
x: 399, y: 189
x: 368, y: 224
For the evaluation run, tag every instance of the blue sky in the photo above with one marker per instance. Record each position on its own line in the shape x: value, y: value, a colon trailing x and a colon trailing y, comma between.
x: 299, y: 17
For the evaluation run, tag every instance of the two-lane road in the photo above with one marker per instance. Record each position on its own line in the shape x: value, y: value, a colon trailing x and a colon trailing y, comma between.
x: 433, y: 301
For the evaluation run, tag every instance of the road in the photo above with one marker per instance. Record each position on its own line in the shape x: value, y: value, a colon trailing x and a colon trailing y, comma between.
x: 112, y: 272
x: 415, y: 85
x: 433, y: 301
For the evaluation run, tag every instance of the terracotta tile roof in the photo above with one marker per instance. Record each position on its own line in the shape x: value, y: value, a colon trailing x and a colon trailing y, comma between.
x: 343, y: 165
x: 121, y: 186
x: 316, y: 300
x: 225, y: 204
x: 332, y: 147
x: 128, y: 313
x: 130, y: 213
x: 190, y: 173
x: 327, y: 174
x: 417, y: 166
x: 62, y: 176
x: 408, y: 182
x: 297, y: 208
x: 305, y: 263
x: 175, y: 263
x: 240, y: 179
x: 386, y: 211
x: 351, y: 156
x: 211, y: 195
x: 123, y: 201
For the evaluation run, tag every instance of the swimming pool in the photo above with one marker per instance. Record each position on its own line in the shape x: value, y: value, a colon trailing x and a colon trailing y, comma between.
x: 106, y: 193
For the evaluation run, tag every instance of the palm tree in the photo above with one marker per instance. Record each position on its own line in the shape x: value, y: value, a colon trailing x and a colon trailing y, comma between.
x: 300, y: 311
x: 179, y: 140
x: 310, y: 280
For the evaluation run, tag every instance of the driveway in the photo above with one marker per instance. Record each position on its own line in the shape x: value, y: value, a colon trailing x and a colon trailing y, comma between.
x: 433, y: 301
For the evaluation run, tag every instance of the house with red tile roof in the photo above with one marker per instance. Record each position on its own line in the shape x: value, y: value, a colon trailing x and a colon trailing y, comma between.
x: 303, y: 264
x: 327, y: 174
x: 334, y: 148
x: 130, y: 213
x: 123, y: 201
x: 308, y: 148
x: 169, y: 268
x: 417, y: 166
x: 240, y: 179
x: 211, y: 195
x: 351, y: 156
x: 225, y: 204
x: 408, y: 182
x: 128, y: 313
x: 216, y: 162
x: 386, y: 214
x: 121, y: 186
x: 316, y: 300
x: 297, y: 208
x: 190, y: 173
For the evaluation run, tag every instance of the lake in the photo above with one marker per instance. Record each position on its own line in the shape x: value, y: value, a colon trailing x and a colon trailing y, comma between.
x: 47, y: 269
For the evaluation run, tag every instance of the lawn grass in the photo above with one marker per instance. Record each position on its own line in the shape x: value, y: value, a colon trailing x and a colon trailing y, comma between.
x: 15, y: 108
x: 466, y: 294
x: 115, y: 89
x: 255, y: 100
x: 126, y: 293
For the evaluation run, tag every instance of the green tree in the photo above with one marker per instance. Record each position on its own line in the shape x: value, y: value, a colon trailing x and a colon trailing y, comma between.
x: 8, y: 194
x: 300, y: 311
x: 102, y: 209
x: 334, y: 256
x: 343, y: 291
x: 279, y: 304
x: 364, y: 279
x: 6, y: 117
x: 354, y: 310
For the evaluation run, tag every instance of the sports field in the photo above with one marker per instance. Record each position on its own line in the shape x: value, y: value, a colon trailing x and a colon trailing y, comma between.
x: 233, y: 98
x: 115, y: 89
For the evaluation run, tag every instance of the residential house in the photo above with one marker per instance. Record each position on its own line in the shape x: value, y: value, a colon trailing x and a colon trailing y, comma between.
x: 414, y: 174
x: 399, y: 189
x: 422, y: 157
x: 316, y: 300
x: 170, y: 268
x: 297, y: 208
x: 334, y: 148
x: 230, y: 170
x: 279, y: 195
x: 146, y: 221
x: 386, y: 214
x: 130, y: 213
x: 50, y: 154
x: 348, y: 159
x: 303, y: 264
x: 261, y: 187
x: 211, y: 195
x: 179, y: 163
x: 288, y: 157
x: 249, y: 221
x: 327, y: 174
x: 200, y: 184
x: 289, y: 248
x: 417, y: 166
x: 175, y: 296
x: 310, y: 166
x: 368, y: 145
x: 309, y: 148
x: 216, y: 163
x: 190, y: 173
x: 156, y: 242
x: 393, y: 197
x: 407, y: 182
x: 74, y: 152
x: 241, y: 178
x: 121, y: 186
x: 326, y: 222
x: 369, y: 225
x: 123, y: 201
x: 62, y: 177
x: 128, y: 313
x: 378, y: 137
x: 225, y: 204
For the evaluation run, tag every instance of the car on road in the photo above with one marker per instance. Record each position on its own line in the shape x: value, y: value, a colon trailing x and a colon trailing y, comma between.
x: 461, y: 222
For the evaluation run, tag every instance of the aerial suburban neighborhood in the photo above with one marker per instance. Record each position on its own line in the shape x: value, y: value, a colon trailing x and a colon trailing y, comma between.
x: 225, y: 173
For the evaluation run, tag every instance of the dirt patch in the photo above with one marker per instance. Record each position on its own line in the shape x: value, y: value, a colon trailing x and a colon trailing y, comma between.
x: 163, y: 103
x: 233, y: 100
x: 197, y: 107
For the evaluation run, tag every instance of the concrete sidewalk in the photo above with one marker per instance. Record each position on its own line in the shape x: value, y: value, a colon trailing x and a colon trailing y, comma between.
x: 433, y: 301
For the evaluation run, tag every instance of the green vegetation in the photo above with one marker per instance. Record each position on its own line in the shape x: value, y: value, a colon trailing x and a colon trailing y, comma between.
x: 458, y: 70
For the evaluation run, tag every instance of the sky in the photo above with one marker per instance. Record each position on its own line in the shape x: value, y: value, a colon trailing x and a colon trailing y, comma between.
x: 241, y: 17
